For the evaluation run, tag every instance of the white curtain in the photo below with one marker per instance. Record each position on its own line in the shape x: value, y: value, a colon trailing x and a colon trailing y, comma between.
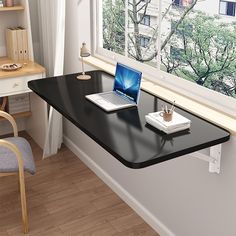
x: 52, y: 33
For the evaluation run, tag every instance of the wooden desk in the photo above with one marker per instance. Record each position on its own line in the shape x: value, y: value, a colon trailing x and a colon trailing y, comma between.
x: 15, y: 82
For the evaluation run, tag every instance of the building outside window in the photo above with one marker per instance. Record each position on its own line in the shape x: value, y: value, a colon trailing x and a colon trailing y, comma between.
x: 183, y: 3
x: 197, y: 32
x: 145, y: 19
x: 227, y: 8
x: 144, y: 41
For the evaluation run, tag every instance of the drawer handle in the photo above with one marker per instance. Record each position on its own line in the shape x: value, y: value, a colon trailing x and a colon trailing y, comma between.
x: 15, y: 85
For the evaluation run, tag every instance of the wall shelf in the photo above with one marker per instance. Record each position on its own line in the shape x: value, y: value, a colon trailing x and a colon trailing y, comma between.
x: 19, y: 115
x: 15, y: 8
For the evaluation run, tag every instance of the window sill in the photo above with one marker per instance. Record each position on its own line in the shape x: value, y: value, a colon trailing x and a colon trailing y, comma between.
x: 182, y: 101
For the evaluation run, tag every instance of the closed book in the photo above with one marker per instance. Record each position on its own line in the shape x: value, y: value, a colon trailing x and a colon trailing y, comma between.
x: 19, y: 35
x: 177, y: 120
x: 18, y: 103
x: 15, y: 111
x: 25, y: 45
x: 150, y: 120
x: 20, y: 106
x: 177, y: 123
x: 11, y: 42
x: 19, y: 98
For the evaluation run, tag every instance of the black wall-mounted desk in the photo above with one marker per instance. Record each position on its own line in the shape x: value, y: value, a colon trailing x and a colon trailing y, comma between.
x: 124, y: 133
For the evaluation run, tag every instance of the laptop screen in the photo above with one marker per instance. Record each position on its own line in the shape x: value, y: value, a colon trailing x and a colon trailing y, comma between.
x: 127, y: 82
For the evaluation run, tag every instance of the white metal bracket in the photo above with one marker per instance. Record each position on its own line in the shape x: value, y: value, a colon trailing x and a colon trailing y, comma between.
x: 213, y: 159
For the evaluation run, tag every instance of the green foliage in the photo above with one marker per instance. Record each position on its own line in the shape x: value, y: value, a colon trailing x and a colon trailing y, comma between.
x: 208, y: 52
x: 197, y: 47
x: 114, y: 25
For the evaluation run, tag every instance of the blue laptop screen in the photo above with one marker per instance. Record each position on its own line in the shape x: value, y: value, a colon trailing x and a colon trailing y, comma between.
x: 127, y: 82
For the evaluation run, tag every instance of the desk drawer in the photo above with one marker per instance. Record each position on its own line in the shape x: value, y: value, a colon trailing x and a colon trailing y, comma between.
x: 16, y: 85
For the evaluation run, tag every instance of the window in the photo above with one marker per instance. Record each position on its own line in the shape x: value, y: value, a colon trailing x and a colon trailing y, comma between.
x: 183, y: 3
x: 190, y: 48
x: 145, y: 19
x: 227, y: 8
x: 144, y: 41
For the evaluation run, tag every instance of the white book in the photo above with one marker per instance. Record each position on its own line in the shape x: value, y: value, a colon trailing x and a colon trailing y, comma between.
x: 178, y: 122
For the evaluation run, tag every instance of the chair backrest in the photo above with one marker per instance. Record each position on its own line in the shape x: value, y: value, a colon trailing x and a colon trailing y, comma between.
x: 11, y: 120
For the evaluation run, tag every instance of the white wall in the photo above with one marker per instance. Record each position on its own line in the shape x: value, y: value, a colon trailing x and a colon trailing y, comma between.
x: 179, y: 193
x: 34, y: 18
x: 77, y: 32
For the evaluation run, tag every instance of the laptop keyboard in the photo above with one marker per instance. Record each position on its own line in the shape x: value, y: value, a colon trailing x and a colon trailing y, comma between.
x: 114, y: 99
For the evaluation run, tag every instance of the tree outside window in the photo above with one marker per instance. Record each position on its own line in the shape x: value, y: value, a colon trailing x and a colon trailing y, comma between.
x: 196, y: 44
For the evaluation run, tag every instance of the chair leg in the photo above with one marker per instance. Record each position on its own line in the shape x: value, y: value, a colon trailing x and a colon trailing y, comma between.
x: 23, y: 204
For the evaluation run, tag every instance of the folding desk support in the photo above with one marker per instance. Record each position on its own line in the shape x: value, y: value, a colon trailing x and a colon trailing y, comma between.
x: 213, y: 159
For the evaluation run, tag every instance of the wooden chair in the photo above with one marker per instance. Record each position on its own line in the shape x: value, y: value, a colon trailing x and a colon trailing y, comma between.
x: 3, y: 103
x: 15, y: 158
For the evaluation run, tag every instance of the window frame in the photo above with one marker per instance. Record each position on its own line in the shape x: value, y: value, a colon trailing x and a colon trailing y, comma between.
x: 145, y: 39
x: 176, y: 84
x: 225, y: 14
x: 146, y: 19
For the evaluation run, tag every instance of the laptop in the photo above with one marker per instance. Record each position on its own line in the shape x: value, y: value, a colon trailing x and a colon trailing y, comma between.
x: 126, y: 90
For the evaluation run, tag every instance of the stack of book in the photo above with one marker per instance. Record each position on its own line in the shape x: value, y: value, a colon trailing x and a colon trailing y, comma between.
x: 177, y: 123
x: 17, y: 44
x: 18, y: 103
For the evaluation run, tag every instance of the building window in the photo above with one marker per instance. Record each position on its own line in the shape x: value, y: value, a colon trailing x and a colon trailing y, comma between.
x: 191, y: 45
x: 145, y: 19
x: 176, y: 53
x: 144, y: 41
x: 183, y: 3
x: 227, y: 8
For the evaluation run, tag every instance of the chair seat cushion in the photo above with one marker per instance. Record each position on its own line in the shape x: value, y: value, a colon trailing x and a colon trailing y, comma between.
x: 8, y: 160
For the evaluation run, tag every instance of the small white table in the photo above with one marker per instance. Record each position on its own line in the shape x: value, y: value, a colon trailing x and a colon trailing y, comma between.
x: 15, y: 82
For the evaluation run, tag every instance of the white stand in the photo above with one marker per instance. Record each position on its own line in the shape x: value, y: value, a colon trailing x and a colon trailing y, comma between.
x: 83, y: 76
x: 213, y: 159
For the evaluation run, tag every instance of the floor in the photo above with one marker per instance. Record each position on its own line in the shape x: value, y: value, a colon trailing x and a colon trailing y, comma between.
x: 66, y: 198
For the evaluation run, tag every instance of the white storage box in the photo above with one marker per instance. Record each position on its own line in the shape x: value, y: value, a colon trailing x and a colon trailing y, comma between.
x: 18, y: 103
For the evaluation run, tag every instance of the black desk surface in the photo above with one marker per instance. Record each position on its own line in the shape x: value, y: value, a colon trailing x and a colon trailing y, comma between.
x: 124, y: 133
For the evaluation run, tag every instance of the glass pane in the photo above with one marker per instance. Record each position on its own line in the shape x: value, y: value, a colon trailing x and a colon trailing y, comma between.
x: 143, y: 31
x: 199, y: 45
x: 113, y: 22
x: 223, y: 8
x: 231, y: 9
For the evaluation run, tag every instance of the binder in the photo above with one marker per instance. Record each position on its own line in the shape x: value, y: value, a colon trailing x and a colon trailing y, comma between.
x: 20, y: 47
x: 12, y: 45
x: 17, y: 44
x: 25, y: 45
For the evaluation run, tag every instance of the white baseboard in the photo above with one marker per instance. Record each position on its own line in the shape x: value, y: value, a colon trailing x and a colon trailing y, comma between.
x: 147, y: 216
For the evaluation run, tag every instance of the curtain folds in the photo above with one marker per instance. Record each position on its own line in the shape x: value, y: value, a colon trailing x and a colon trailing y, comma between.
x: 52, y: 37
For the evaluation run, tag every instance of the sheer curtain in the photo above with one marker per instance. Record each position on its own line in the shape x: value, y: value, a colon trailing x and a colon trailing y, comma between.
x: 52, y: 37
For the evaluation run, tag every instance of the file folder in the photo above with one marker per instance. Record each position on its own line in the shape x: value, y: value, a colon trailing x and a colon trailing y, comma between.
x: 19, y: 36
x: 11, y: 42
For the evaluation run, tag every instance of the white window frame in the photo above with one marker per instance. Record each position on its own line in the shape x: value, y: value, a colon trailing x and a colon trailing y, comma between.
x: 189, y: 89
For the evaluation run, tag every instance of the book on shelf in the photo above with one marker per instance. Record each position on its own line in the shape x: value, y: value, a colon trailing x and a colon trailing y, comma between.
x: 25, y: 45
x: 177, y: 123
x: 11, y: 42
x: 18, y: 103
x: 20, y: 45
x: 17, y: 43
